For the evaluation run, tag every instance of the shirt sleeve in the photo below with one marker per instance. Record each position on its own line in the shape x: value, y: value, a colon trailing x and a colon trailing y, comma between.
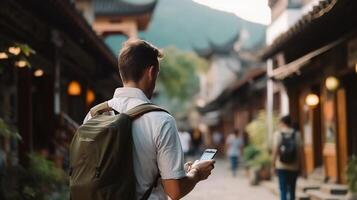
x: 170, y: 158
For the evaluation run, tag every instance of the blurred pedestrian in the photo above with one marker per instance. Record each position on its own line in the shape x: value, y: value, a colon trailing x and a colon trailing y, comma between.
x: 234, y: 145
x: 185, y: 139
x: 287, y: 151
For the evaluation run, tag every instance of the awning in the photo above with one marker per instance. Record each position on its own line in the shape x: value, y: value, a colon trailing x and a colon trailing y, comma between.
x: 294, y: 67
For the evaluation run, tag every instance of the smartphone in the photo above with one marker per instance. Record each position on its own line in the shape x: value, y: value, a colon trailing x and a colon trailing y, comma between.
x: 208, y: 154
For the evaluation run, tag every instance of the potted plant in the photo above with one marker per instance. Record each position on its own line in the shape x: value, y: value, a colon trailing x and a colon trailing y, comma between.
x: 250, y: 153
x: 256, y: 153
x: 351, y: 174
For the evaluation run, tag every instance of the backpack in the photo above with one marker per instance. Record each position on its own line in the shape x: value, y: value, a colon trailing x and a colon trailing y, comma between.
x: 101, y: 156
x: 288, y: 148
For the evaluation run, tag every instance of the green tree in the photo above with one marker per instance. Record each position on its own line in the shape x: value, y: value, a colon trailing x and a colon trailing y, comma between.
x: 178, y: 80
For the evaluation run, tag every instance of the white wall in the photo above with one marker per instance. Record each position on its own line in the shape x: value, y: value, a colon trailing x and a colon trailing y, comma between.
x: 221, y: 74
x: 288, y: 18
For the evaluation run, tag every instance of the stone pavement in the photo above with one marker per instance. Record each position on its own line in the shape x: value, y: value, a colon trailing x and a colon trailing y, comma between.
x: 222, y: 186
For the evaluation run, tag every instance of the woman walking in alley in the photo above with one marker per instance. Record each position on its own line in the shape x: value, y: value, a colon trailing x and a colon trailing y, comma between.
x: 234, y: 146
x: 287, y: 157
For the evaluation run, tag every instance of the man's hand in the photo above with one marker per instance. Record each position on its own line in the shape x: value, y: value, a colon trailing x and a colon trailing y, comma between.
x: 198, y: 171
x: 188, y: 166
x: 203, y: 167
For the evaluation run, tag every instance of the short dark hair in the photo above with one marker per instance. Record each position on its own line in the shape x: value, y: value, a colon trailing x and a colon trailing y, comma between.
x: 135, y: 56
x: 236, y: 132
x: 286, y: 120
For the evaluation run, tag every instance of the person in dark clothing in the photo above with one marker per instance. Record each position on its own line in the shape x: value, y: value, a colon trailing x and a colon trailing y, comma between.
x: 287, y: 151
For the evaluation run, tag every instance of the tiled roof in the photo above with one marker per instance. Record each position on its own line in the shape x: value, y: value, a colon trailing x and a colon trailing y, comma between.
x: 249, y: 77
x: 319, y: 11
x: 213, y: 48
x: 120, y: 8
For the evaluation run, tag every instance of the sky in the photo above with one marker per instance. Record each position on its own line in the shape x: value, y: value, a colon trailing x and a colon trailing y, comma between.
x: 253, y: 10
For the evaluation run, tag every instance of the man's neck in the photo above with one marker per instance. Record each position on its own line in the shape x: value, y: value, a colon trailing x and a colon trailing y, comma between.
x: 132, y: 84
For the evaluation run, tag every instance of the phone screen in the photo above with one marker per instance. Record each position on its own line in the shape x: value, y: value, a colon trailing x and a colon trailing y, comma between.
x: 208, y: 154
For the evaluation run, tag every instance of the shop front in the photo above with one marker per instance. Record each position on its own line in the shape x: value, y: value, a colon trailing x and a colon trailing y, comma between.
x: 316, y: 62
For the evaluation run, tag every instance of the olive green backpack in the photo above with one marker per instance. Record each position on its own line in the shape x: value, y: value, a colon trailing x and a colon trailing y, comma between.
x: 101, y: 156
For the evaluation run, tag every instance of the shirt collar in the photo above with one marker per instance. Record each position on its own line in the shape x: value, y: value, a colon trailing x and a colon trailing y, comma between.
x: 130, y: 92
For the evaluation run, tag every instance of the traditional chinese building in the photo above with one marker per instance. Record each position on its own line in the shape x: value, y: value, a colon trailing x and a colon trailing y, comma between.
x: 230, y: 94
x: 54, y: 67
x: 122, y: 17
x: 314, y: 62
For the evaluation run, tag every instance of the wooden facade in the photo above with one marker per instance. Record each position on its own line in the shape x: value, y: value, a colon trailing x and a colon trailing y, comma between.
x: 35, y: 98
x: 240, y: 103
x: 329, y: 50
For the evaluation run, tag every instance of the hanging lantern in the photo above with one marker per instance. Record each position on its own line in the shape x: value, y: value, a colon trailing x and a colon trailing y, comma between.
x: 332, y: 83
x: 3, y: 55
x: 90, y: 97
x: 14, y: 50
x: 74, y: 88
x: 312, y: 100
x: 38, y: 73
x: 21, y: 63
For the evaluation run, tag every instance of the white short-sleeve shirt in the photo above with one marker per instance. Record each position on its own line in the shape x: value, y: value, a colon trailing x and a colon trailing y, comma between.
x: 157, y: 147
x: 234, y: 145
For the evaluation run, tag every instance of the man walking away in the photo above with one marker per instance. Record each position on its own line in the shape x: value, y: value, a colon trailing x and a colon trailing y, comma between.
x: 287, y: 157
x: 234, y: 147
x: 156, y: 145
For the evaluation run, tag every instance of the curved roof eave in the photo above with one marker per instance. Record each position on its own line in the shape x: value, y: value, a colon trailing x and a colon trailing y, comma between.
x: 122, y: 8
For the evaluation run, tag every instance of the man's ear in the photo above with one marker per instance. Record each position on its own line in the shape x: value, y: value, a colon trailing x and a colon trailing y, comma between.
x: 152, y: 72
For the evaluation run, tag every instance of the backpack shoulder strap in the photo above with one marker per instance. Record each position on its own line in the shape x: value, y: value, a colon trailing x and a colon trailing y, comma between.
x: 148, y: 191
x: 100, y: 109
x: 142, y: 109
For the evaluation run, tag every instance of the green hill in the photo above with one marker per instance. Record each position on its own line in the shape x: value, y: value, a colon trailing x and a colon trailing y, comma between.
x: 186, y: 24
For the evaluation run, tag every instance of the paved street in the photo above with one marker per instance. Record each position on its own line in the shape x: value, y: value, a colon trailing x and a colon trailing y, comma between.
x: 222, y: 186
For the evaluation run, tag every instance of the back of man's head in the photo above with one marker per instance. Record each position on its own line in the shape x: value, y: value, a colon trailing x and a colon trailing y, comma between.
x: 286, y: 120
x: 136, y: 56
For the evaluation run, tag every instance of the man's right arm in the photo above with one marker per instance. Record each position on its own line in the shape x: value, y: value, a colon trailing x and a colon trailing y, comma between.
x: 178, y: 188
x: 176, y: 180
